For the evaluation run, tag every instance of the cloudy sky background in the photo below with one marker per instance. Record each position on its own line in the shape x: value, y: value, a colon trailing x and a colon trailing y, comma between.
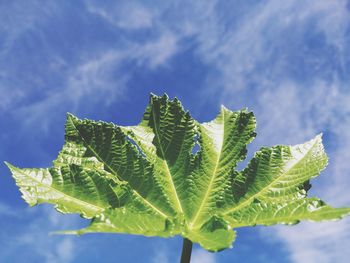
x: 288, y: 61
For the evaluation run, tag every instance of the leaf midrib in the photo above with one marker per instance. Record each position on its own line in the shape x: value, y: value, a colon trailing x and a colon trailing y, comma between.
x: 116, y: 174
x: 168, y: 173
x: 193, y: 222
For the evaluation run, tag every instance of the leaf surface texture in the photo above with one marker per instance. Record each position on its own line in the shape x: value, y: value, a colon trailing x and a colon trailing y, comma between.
x: 148, y: 180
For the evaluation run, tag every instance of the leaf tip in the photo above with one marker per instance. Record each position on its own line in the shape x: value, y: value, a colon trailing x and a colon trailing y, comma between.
x: 10, y: 166
x: 223, y: 108
x: 319, y: 136
x: 165, y: 96
x: 154, y: 96
x: 319, y: 140
x: 70, y: 116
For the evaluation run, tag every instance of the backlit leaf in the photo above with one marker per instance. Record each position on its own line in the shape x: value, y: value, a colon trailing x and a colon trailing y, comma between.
x: 147, y: 179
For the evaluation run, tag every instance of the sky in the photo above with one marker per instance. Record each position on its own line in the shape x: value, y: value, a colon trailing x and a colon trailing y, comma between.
x: 288, y: 61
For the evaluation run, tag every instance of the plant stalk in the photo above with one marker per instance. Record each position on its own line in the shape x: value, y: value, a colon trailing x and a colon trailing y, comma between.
x: 186, y: 251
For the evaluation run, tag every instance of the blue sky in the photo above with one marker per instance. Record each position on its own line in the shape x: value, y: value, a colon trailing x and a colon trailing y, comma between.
x: 288, y: 61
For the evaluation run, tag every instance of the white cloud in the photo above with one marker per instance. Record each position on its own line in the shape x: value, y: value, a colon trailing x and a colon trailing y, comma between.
x: 7, y: 211
x: 65, y: 250
x: 92, y: 81
x: 54, y: 249
x: 126, y: 15
x: 263, y: 33
x: 100, y: 78
x: 316, y: 243
x: 97, y: 77
x: 160, y: 256
x: 156, y: 53
x: 7, y: 101
x: 16, y: 18
x: 202, y: 256
x: 31, y: 236
x: 59, y: 252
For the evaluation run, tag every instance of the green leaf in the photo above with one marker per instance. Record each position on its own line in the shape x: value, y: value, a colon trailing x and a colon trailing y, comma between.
x: 70, y: 188
x: 131, y: 221
x: 223, y: 144
x: 278, y: 174
x: 166, y: 138
x: 312, y: 209
x: 146, y: 179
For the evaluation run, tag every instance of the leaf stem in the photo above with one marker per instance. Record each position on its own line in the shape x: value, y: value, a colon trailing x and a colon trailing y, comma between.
x: 186, y: 251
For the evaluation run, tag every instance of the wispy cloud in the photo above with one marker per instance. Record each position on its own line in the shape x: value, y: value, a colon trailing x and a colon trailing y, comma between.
x: 7, y: 211
x: 32, y: 238
x: 96, y: 76
x: 278, y: 34
x: 160, y: 256
x: 310, y: 242
x: 127, y: 15
x: 99, y: 79
x: 202, y: 256
x: 163, y: 255
x: 65, y: 251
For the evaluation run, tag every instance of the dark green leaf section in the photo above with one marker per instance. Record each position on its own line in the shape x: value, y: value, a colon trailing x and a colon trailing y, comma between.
x: 166, y: 136
x: 146, y: 180
x: 110, y: 146
x: 173, y: 129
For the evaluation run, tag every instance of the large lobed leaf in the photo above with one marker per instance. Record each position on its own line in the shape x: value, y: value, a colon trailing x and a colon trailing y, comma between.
x: 147, y: 179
